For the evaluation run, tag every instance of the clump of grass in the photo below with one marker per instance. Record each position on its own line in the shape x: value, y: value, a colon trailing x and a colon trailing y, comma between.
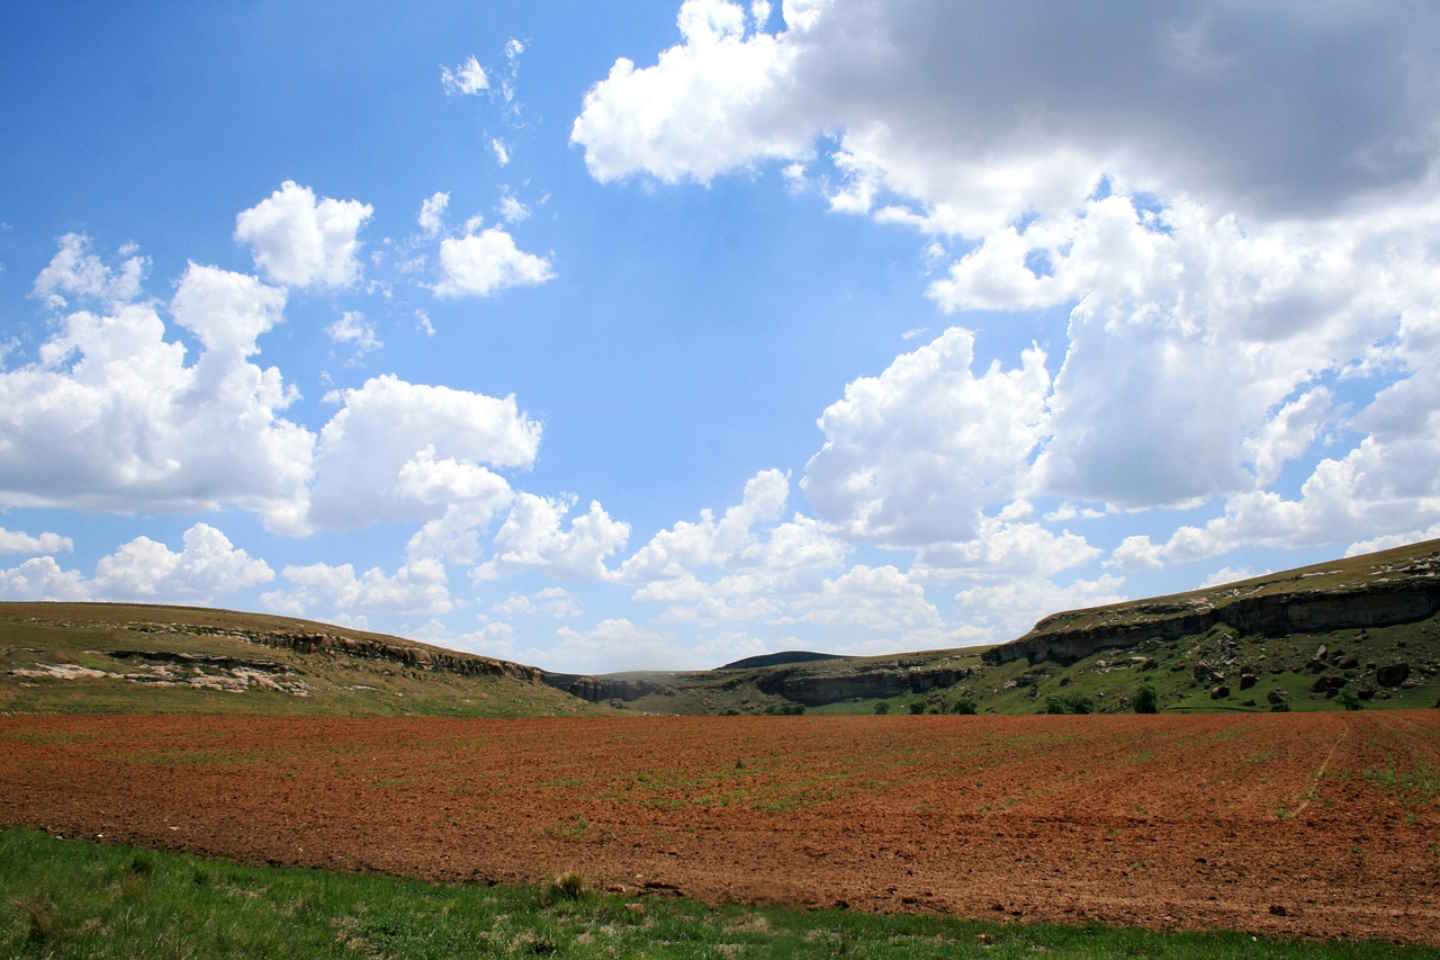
x: 567, y: 886
x: 917, y: 707
x: 883, y: 707
x: 40, y: 917
x: 965, y: 706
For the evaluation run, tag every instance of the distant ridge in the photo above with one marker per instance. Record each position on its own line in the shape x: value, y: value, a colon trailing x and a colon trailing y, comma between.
x: 777, y: 659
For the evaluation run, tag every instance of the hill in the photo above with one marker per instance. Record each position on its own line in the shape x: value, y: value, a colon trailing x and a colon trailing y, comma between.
x: 100, y: 657
x: 1361, y: 630
x: 777, y: 659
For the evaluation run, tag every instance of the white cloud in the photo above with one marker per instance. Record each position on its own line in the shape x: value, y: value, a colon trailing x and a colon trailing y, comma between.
x: 1008, y: 608
x: 397, y: 449
x: 352, y: 328
x: 482, y: 264
x: 298, y: 242
x: 932, y: 103
x: 876, y: 598
x: 512, y: 210
x: 76, y: 273
x: 467, y: 79
x: 502, y: 152
x: 914, y: 455
x: 1390, y: 541
x: 1230, y: 575
x: 319, y: 589
x: 432, y: 213
x: 688, y: 546
x: 422, y: 320
x: 111, y: 416
x: 555, y: 602
x: 534, y: 536
x: 41, y: 578
x: 15, y: 541
x: 208, y: 565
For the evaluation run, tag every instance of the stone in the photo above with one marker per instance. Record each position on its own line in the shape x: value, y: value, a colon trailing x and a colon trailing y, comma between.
x: 1204, y: 673
x: 1392, y: 674
x: 1277, y: 696
x: 1248, y: 680
x: 1220, y: 692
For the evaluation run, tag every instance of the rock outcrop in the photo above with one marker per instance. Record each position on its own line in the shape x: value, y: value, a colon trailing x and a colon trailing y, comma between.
x: 1389, y: 591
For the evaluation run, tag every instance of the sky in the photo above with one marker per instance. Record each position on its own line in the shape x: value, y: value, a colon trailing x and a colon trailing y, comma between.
x: 654, y: 337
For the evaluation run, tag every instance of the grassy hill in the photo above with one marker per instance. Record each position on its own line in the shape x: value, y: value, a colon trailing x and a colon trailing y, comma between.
x: 97, y: 658
x: 1362, y: 630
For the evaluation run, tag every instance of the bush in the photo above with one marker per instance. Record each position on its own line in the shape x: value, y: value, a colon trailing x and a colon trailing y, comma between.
x: 793, y: 709
x: 883, y: 707
x: 964, y: 706
x: 1349, y: 701
x: 1146, y: 700
x: 917, y: 707
x: 1281, y: 707
x: 1075, y: 703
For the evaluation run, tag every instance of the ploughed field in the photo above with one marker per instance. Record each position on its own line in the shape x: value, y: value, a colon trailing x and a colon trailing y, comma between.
x: 1321, y: 824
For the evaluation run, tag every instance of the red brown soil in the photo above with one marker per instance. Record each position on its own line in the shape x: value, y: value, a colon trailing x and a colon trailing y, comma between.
x: 1265, y: 823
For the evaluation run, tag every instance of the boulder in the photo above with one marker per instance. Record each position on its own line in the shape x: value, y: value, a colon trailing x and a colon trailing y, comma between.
x: 1220, y: 692
x: 1366, y: 693
x: 1392, y: 674
x: 1204, y: 673
x: 1248, y: 679
x: 1349, y: 663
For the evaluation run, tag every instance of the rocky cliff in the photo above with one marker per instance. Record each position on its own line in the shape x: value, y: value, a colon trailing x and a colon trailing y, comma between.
x: 1376, y: 590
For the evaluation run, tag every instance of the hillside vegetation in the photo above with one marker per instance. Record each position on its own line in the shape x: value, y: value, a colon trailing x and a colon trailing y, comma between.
x: 96, y: 658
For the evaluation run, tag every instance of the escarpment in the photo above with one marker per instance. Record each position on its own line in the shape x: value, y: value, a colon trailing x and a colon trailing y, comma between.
x: 1378, y: 590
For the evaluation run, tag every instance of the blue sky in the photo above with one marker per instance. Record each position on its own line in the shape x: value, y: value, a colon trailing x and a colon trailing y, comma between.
x: 779, y: 261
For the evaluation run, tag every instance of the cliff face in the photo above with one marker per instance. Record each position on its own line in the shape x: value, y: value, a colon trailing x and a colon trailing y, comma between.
x: 816, y: 690
x: 1404, y: 594
x: 415, y: 656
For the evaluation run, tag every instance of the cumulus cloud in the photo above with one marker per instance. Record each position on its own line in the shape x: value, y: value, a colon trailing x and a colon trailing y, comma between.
x: 207, y: 566
x: 555, y: 602
x: 76, y: 273
x: 512, y: 210
x: 501, y: 151
x: 15, y: 541
x: 1008, y: 608
x: 321, y: 589
x: 535, y: 535
x: 930, y: 103
x: 397, y: 449
x: 111, y: 416
x: 484, y: 263
x: 299, y: 242
x: 915, y: 454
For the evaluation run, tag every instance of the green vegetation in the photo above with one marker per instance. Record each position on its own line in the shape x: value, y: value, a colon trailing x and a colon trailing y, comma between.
x: 1146, y: 700
x: 66, y: 898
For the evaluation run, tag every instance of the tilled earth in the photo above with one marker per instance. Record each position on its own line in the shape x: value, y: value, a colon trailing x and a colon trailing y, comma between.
x: 1323, y: 825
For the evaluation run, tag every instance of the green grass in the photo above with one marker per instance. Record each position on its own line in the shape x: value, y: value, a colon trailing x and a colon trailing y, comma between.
x: 67, y: 898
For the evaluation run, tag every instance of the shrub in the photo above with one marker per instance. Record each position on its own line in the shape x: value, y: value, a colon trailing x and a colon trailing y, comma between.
x: 793, y: 709
x: 964, y: 706
x: 1349, y: 701
x: 883, y: 707
x: 1054, y: 705
x: 1146, y: 700
x: 1079, y: 703
x: 1281, y: 707
x: 917, y: 707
